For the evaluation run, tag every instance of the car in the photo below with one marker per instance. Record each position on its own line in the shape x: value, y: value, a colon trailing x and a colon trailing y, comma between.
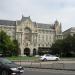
x: 8, y: 67
x: 46, y: 57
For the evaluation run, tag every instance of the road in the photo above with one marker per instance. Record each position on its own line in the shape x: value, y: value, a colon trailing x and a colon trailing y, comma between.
x: 32, y: 71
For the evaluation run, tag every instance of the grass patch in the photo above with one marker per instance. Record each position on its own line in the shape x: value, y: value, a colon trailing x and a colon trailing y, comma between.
x: 23, y: 58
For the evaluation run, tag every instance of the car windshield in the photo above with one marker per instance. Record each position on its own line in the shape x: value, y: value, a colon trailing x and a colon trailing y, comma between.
x: 50, y: 55
x: 5, y: 61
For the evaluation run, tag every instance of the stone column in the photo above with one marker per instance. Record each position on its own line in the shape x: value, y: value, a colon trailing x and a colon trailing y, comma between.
x: 31, y: 52
x: 22, y: 50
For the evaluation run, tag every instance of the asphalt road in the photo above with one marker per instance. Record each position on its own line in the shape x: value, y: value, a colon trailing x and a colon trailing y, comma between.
x: 32, y: 71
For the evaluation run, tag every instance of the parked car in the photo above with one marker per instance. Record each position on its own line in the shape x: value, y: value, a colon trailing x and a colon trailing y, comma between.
x: 8, y: 67
x: 46, y: 57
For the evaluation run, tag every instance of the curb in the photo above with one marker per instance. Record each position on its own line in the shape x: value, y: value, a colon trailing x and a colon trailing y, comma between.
x: 55, y: 66
x: 50, y: 68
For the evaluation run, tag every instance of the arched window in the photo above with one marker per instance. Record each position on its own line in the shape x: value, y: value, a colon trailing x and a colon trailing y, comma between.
x: 27, y: 30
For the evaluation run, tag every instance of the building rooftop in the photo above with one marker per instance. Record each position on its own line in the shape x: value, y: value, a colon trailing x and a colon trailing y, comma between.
x: 39, y: 25
x: 7, y: 22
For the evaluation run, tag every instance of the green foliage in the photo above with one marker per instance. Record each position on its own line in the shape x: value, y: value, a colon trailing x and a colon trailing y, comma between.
x: 16, y: 49
x: 7, y: 46
x: 4, y: 42
x: 57, y: 47
x: 65, y: 47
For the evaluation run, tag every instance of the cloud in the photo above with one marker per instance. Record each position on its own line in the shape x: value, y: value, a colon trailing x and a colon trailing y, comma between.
x: 46, y: 11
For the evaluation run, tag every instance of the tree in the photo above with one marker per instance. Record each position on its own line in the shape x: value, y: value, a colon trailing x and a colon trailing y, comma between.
x: 8, y: 47
x: 4, y: 43
x: 65, y: 47
x: 57, y: 48
x: 69, y: 46
x: 16, y: 49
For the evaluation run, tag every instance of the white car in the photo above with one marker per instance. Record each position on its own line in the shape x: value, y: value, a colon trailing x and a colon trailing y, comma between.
x: 46, y: 57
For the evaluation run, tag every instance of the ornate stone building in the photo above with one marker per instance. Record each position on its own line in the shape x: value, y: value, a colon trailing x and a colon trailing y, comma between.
x: 70, y: 31
x: 32, y: 36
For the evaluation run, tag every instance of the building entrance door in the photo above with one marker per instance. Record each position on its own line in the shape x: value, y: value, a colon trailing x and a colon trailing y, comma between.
x: 34, y: 51
x: 27, y: 51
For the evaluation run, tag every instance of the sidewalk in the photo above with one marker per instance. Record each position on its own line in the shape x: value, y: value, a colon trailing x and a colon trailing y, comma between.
x: 59, y: 65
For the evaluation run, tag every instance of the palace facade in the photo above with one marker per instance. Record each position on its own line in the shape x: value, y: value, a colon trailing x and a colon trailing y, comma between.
x: 32, y: 37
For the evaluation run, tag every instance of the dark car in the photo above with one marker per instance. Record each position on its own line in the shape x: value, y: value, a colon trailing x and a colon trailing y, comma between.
x: 8, y: 67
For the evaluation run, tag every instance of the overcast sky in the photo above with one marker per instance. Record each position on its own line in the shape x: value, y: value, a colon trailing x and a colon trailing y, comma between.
x: 44, y: 11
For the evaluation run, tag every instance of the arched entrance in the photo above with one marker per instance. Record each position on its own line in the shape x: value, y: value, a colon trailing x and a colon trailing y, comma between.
x: 27, y: 51
x: 34, y: 51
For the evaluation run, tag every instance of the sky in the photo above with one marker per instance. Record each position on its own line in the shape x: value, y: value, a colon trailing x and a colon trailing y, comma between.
x: 43, y: 11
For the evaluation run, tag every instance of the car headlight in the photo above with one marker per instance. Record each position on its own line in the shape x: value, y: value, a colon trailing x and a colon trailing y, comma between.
x: 19, y: 67
x: 14, y: 69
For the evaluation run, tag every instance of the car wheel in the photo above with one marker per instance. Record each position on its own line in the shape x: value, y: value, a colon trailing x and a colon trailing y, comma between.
x: 4, y: 72
x: 44, y: 59
x: 57, y: 59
